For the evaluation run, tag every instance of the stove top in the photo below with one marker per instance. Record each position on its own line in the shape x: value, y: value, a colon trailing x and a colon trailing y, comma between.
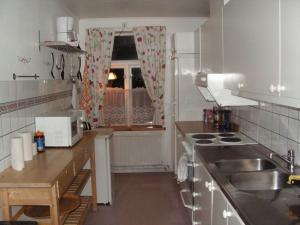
x: 219, y: 139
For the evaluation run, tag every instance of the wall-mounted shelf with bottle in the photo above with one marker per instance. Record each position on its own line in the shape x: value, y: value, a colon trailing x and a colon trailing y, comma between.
x: 62, y: 46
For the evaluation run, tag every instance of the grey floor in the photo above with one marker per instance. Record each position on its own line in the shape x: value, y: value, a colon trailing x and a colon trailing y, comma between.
x: 143, y: 199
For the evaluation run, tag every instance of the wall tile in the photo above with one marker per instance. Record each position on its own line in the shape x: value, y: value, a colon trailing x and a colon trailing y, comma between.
x: 284, y: 111
x: 6, y: 123
x: 283, y: 126
x: 264, y: 137
x: 12, y: 89
x: 293, y: 129
x: 4, y: 91
x: 1, y: 148
x: 293, y: 113
x: 279, y: 144
x: 275, y: 123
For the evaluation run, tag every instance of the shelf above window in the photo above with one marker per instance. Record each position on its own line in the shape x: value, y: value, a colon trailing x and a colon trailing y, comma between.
x: 62, y: 46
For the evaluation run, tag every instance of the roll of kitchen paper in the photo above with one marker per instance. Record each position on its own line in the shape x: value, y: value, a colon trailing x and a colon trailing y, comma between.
x: 27, y: 145
x: 17, y: 153
x: 34, y: 148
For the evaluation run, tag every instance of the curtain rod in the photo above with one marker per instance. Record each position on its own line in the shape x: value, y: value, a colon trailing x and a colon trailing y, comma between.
x: 127, y: 31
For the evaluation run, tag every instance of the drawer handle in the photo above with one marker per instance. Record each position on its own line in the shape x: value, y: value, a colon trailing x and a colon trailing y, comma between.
x: 191, y: 207
x: 227, y: 214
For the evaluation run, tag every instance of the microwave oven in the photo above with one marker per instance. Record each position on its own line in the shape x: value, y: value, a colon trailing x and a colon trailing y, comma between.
x: 61, y: 129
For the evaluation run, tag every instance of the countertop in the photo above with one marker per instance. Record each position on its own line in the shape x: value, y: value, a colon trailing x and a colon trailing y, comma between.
x: 195, y: 127
x: 45, y: 167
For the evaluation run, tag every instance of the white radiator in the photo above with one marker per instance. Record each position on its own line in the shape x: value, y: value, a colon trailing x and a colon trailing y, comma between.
x: 138, y: 151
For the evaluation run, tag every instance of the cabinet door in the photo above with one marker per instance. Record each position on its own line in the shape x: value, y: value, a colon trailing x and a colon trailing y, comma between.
x: 290, y: 19
x: 205, y: 198
x: 233, y: 218
x: 215, y: 37
x: 251, y: 44
x: 218, y: 206
x: 204, y: 47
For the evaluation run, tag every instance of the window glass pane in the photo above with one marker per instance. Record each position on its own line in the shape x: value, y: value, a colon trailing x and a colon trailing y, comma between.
x: 137, y: 78
x: 119, y: 81
x: 124, y: 48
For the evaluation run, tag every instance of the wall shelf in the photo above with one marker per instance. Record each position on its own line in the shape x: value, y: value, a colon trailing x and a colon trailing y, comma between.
x: 62, y: 46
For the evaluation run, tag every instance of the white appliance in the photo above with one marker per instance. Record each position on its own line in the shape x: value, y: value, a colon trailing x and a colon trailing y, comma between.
x: 212, y: 88
x: 61, y: 129
x: 185, y: 65
x: 104, y: 175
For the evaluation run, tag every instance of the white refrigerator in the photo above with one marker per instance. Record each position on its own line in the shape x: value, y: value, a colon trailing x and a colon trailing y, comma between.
x: 186, y: 62
x: 188, y: 101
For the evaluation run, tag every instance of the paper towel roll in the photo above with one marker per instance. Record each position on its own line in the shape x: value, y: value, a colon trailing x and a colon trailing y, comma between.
x: 27, y: 145
x: 17, y: 153
x: 34, y: 148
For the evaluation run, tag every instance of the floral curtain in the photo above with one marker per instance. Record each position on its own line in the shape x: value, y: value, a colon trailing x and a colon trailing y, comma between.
x: 99, y: 46
x: 151, y: 49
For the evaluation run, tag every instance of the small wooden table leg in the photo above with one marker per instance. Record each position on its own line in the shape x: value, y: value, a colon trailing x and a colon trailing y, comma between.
x: 6, y: 208
x: 54, y: 207
x: 93, y: 180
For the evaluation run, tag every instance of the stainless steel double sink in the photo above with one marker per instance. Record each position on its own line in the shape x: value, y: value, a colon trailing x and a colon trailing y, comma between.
x: 252, y: 174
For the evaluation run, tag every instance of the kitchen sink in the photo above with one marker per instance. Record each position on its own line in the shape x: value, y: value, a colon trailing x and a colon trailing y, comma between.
x: 244, y: 165
x: 256, y: 181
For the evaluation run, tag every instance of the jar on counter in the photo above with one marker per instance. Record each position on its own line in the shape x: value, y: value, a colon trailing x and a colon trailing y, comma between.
x: 39, y: 138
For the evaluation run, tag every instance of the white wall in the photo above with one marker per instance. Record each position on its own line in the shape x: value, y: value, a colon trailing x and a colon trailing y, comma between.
x: 20, y: 22
x: 173, y: 25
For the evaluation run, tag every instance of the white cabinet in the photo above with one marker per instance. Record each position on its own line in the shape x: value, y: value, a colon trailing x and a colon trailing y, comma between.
x: 290, y: 58
x: 212, y: 39
x: 232, y: 216
x: 178, y: 148
x: 219, y: 205
x: 205, y: 198
x: 223, y: 212
x: 251, y: 45
x: 214, y: 207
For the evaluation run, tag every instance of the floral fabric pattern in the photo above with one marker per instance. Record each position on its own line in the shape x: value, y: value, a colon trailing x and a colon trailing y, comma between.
x: 98, y: 45
x: 151, y: 49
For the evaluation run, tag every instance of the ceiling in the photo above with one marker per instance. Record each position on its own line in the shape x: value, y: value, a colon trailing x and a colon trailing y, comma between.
x: 138, y: 8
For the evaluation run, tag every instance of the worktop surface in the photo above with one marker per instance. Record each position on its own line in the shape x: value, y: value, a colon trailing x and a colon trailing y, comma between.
x: 195, y: 127
x: 45, y: 167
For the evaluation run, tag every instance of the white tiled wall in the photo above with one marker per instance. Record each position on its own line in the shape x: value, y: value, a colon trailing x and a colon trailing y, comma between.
x: 23, y: 119
x: 273, y: 126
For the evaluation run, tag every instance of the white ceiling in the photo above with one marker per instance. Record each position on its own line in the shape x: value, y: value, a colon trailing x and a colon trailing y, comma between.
x: 138, y: 8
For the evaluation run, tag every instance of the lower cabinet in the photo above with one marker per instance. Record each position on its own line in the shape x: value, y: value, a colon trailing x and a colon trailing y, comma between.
x: 204, y: 198
x: 215, y: 209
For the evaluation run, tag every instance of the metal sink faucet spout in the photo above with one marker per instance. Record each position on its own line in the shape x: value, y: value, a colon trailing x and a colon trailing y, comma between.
x: 289, y: 159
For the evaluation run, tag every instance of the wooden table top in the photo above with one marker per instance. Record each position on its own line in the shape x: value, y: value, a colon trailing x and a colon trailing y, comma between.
x: 45, y: 168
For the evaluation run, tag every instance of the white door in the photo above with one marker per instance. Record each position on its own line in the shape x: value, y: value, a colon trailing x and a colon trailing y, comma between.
x: 290, y: 14
x: 218, y: 206
x: 251, y: 44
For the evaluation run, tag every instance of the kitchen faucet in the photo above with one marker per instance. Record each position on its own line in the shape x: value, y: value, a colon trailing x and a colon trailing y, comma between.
x: 289, y: 159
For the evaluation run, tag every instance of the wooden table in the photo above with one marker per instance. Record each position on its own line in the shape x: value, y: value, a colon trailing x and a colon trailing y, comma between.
x: 46, y: 178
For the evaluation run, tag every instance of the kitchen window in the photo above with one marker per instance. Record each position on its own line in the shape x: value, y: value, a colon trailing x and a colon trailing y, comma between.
x: 126, y: 101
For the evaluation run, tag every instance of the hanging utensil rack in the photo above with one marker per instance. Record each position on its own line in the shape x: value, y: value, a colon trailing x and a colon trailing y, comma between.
x: 15, y: 76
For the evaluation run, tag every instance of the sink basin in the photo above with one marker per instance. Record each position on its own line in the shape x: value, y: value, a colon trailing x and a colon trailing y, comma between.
x: 257, y: 181
x: 244, y: 165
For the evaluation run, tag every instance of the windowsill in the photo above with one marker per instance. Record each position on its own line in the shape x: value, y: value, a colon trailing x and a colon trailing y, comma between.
x: 138, y: 128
